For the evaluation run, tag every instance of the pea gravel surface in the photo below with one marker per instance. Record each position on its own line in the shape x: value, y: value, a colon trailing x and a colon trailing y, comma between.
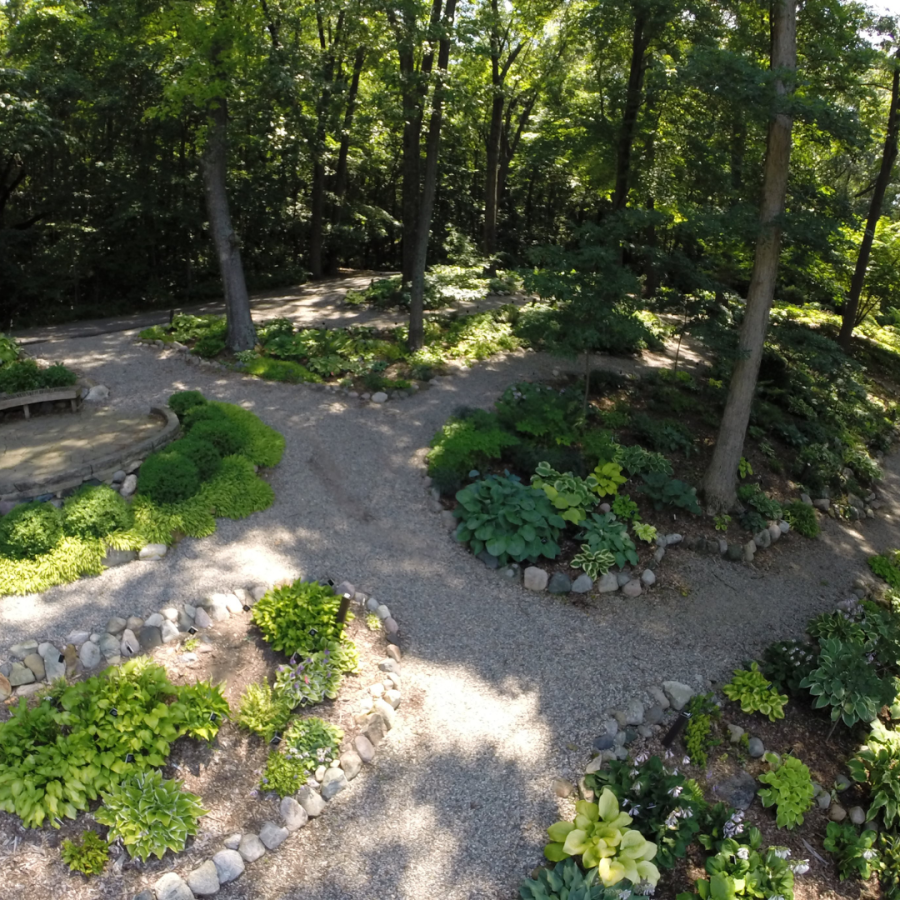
x: 504, y: 690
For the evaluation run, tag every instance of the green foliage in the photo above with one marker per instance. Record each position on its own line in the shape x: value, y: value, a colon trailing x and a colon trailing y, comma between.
x: 624, y: 508
x: 889, y: 848
x: 755, y: 693
x: 609, y: 477
x: 753, y: 496
x: 202, y: 454
x: 285, y: 370
x: 744, y: 468
x: 310, y: 680
x: 836, y: 625
x: 664, y: 435
x: 263, y: 445
x: 508, y: 519
x: 95, y: 511
x: 30, y: 530
x: 301, y: 618
x: 645, y: 532
x: 468, y: 442
x: 787, y: 663
x: 181, y: 401
x: 722, y: 521
x: 88, y: 855
x: 9, y: 350
x: 637, y: 461
x: 168, y: 477
x: 790, y: 789
x: 150, y: 815
x: 25, y: 375
x: 262, y: 711
x: 226, y: 436
x: 845, y: 681
x: 698, y: 735
x: 877, y: 765
x: 740, y: 870
x: 885, y: 567
x: 571, y: 495
x: 802, y: 518
x: 541, y: 412
x: 306, y: 745
x: 854, y: 853
x: 601, y: 837
x: 604, y: 533
x: 566, y: 881
x: 598, y: 447
x: 664, y: 805
x: 669, y: 492
x: 55, y: 758
x: 593, y: 562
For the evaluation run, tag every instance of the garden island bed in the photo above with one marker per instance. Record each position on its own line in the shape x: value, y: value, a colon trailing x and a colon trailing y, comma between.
x: 228, y: 756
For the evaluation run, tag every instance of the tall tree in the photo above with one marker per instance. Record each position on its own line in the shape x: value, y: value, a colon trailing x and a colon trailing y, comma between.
x: 850, y: 309
x: 721, y: 477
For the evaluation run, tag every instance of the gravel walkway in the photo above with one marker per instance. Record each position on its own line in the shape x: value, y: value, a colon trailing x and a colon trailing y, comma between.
x: 503, y: 689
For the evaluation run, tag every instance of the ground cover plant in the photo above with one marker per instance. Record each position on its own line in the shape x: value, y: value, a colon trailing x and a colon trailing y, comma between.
x: 182, y: 489
x: 18, y: 373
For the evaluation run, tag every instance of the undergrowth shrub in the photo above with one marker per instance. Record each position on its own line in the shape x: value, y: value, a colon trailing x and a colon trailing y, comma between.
x: 468, y: 441
x: 30, y: 530
x: 95, y: 511
x: 182, y: 401
x: 204, y: 455
x: 285, y: 370
x: 168, y: 477
x: 226, y: 436
x: 88, y: 855
x: 802, y: 518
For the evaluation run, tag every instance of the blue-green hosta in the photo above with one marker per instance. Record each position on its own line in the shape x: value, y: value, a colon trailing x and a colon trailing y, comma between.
x: 566, y: 881
x: 601, y: 837
x: 150, y: 815
x: 508, y: 519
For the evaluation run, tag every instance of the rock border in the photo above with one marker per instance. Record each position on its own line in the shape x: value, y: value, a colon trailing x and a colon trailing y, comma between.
x: 641, y: 718
x: 125, y: 638
x: 101, y: 467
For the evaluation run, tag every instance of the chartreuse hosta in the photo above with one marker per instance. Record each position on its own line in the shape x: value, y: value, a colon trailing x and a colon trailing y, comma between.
x: 601, y: 837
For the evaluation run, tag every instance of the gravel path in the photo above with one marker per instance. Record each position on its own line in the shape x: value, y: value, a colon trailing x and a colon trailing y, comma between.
x: 503, y: 689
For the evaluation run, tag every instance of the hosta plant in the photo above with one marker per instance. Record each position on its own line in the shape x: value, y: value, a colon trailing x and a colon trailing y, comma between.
x: 664, y: 805
x: 790, y: 789
x: 88, y: 856
x: 855, y: 853
x: 593, y: 562
x: 665, y: 491
x: 755, y: 693
x: 150, y: 815
x: 644, y: 531
x: 601, y: 837
x: 636, y: 461
x: 845, y: 681
x: 877, y: 764
x: 566, y: 881
x: 570, y: 495
x: 508, y: 519
x: 624, y: 508
x: 603, y: 532
x: 608, y: 476
x: 308, y: 680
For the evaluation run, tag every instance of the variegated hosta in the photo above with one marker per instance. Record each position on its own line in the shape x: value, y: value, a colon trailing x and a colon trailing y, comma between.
x: 601, y: 837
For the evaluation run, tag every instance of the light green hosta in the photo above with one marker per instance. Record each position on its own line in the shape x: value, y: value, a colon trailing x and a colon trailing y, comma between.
x: 645, y: 532
x: 150, y: 815
x: 572, y: 495
x: 600, y: 835
x: 593, y: 562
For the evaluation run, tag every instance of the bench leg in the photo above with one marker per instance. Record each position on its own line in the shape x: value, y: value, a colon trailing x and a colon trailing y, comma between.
x: 73, y: 405
x: 27, y: 411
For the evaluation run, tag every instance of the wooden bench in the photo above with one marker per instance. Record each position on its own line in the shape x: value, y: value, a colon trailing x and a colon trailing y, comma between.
x: 26, y: 398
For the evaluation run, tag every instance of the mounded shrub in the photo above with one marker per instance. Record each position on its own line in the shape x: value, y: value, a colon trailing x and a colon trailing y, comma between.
x: 204, y: 455
x: 168, y: 477
x: 95, y: 511
x: 29, y: 530
x: 226, y: 436
x: 802, y: 518
x: 181, y: 401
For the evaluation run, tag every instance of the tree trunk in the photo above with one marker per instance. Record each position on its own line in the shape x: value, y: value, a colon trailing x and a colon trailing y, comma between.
x: 639, y: 42
x: 241, y: 333
x: 429, y: 187
x: 719, y: 483
x: 888, y: 158
x: 341, y: 176
x: 492, y: 179
x: 317, y: 211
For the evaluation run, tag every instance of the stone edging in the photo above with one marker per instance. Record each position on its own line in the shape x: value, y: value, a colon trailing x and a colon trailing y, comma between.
x: 99, y: 467
x: 126, y: 638
x: 639, y: 718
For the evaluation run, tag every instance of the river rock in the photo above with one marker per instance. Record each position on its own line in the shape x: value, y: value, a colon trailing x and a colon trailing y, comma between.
x: 272, y: 835
x: 116, y: 625
x: 172, y: 887
x: 149, y: 637
x: 738, y: 791
x: 251, y: 848
x: 129, y: 644
x: 5, y: 688
x: 559, y: 583
x: 632, y: 589
x: 756, y: 748
x: 607, y: 583
x: 535, y: 579
x: 229, y: 865
x: 857, y: 815
x: 311, y: 801
x: 204, y: 880
x: 582, y: 584
x: 334, y: 782
x: 293, y: 814
x: 89, y: 655
x: 837, y: 813
x: 36, y: 664
x: 678, y: 694
x: 648, y: 577
x: 152, y: 552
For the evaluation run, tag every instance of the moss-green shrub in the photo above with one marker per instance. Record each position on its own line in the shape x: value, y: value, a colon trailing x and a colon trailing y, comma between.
x: 29, y: 530
x: 168, y: 477
x: 209, y: 346
x: 265, y: 445
x: 467, y: 442
x: 226, y: 436
x: 280, y: 370
x: 95, y: 511
x: 201, y: 453
x: 181, y: 401
x: 802, y: 518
